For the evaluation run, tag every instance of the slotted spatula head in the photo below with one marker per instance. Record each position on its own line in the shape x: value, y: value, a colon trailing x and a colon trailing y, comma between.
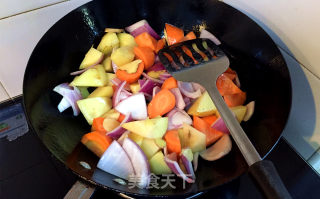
x: 201, y: 61
x: 197, y: 60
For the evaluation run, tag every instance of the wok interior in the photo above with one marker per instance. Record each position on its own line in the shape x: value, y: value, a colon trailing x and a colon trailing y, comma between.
x: 262, y: 71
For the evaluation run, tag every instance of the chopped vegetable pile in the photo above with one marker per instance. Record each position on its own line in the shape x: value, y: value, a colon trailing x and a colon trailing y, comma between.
x: 144, y: 120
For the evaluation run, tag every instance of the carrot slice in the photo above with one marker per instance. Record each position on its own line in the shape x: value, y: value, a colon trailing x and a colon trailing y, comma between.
x: 170, y: 83
x: 168, y: 56
x: 189, y: 53
x: 96, y: 142
x: 146, y: 55
x: 190, y: 36
x: 130, y: 77
x: 160, y: 44
x: 163, y: 102
x: 121, y: 117
x: 229, y: 70
x: 226, y: 86
x: 212, y: 134
x: 235, y: 99
x: 173, y: 142
x: 97, y: 125
x: 174, y: 34
x: 210, y: 119
x: 146, y: 40
x: 230, y: 75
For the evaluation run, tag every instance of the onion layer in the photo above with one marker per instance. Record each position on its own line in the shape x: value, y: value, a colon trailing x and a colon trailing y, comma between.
x: 116, y: 161
x: 135, y: 105
x: 139, y: 162
x: 87, y: 68
x: 175, y: 168
x: 157, y: 66
x: 71, y: 95
x: 187, y: 89
x: 140, y: 27
x: 220, y: 126
x: 63, y: 105
x: 117, y: 132
x: 146, y: 86
x: 195, y: 160
x: 188, y: 165
x: 221, y: 148
x: 250, y: 111
x: 155, y: 90
x: 207, y: 35
x: 117, y: 97
x: 180, y: 104
x: 152, y: 79
x: 177, y: 117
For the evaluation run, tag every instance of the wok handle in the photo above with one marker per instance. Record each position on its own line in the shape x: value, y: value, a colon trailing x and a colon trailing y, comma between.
x: 80, y: 190
x: 266, y: 176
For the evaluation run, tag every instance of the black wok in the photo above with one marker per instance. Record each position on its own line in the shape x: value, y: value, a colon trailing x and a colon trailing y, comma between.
x: 262, y: 71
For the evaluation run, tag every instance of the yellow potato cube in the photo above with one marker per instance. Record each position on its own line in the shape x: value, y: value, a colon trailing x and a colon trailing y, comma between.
x: 106, y: 91
x: 112, y: 114
x: 107, y: 64
x: 135, y: 87
x: 122, y: 55
x: 131, y: 67
x: 94, y: 107
x: 203, y: 106
x: 126, y: 39
x: 92, y: 57
x: 108, y: 42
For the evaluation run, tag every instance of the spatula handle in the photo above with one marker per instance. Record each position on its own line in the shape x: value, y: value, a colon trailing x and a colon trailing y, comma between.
x: 262, y: 171
x: 247, y: 149
x: 266, y: 176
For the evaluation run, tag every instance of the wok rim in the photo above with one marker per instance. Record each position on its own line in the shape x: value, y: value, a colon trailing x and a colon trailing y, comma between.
x: 118, y: 191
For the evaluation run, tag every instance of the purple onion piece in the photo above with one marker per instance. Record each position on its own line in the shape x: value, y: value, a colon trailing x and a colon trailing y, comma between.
x: 207, y: 35
x: 117, y: 132
x: 71, y: 95
x: 187, y: 90
x: 139, y: 162
x: 188, y: 165
x: 152, y: 79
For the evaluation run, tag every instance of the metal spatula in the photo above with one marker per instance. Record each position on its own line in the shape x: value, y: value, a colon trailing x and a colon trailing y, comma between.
x: 205, y: 65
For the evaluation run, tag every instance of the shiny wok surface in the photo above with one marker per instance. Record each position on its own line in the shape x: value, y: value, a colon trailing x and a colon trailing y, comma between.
x: 260, y: 65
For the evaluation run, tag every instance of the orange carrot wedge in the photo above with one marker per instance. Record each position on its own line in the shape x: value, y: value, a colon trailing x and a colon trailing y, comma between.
x: 168, y: 56
x: 231, y: 76
x: 173, y: 142
x: 229, y: 70
x: 130, y: 77
x: 174, y: 34
x: 189, y: 53
x: 212, y: 135
x: 97, y: 125
x: 226, y: 86
x: 169, y: 83
x: 160, y: 44
x: 235, y: 99
x: 146, y: 55
x: 121, y: 117
x: 146, y: 40
x: 210, y: 119
x: 96, y: 142
x: 189, y: 36
x: 163, y: 102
